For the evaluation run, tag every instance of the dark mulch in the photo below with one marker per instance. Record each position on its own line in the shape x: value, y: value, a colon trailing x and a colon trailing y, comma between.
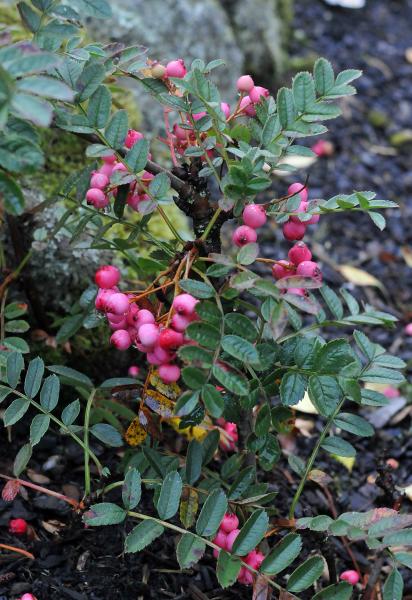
x: 88, y: 564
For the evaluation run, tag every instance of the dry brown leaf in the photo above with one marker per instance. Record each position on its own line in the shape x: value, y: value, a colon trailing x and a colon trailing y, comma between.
x: 37, y: 477
x: 406, y: 251
x: 261, y: 589
x: 359, y: 276
x: 320, y: 477
x: 53, y: 526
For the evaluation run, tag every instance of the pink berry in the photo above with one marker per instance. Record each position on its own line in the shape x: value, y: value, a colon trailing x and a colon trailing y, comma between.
x: 302, y: 208
x: 282, y: 269
x: 247, y: 107
x: 231, y: 430
x: 245, y: 576
x: 229, y: 522
x: 231, y: 538
x: 220, y: 539
x: 109, y: 159
x: 133, y: 201
x: 176, y: 68
x: 225, y: 107
x: 179, y: 132
x: 148, y: 334
x: 244, y: 235
x: 164, y: 356
x: 313, y: 220
x: 293, y: 231
x: 121, y: 339
x: 258, y: 93
x: 118, y: 303
x: 28, y: 597
x: 351, y: 577
x: 107, y: 276
x: 122, y: 324
x: 299, y: 253
x: 255, y: 559
x: 298, y: 188
x: 184, y: 304
x: 106, y: 170
x: 254, y: 215
x: 296, y: 291
x: 102, y: 298
x: 199, y: 115
x: 308, y: 268
x: 179, y: 322
x: 323, y: 148
x: 408, y: 329
x: 18, y: 526
x: 95, y: 196
x: 132, y: 137
x: 170, y: 339
x: 391, y: 392
x: 99, y: 180
x: 119, y: 167
x: 133, y: 371
x: 169, y: 373
x: 144, y: 316
x: 245, y: 83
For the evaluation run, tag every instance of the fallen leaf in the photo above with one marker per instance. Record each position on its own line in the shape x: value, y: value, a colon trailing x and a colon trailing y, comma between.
x: 408, y: 492
x: 305, y: 426
x: 383, y: 415
x: 261, y: 590
x: 408, y: 55
x: 406, y: 251
x: 359, y: 276
x: 346, y: 461
x: 306, y: 406
x: 37, y: 477
x: 53, y: 526
x: 320, y: 477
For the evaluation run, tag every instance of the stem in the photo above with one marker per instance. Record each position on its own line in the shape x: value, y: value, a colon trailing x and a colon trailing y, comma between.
x: 170, y: 224
x: 312, y: 459
x: 42, y: 489
x: 19, y: 550
x: 211, y: 223
x: 2, y: 318
x: 87, y: 486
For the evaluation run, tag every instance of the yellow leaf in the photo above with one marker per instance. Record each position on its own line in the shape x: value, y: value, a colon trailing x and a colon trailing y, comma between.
x: 188, y: 507
x: 305, y: 405
x: 171, y: 390
x: 159, y: 404
x: 191, y: 433
x: 359, y: 276
x: 346, y: 461
x: 136, y: 433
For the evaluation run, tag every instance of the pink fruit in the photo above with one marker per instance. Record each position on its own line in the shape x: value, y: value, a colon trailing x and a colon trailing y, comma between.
x: 313, y: 220
x: 231, y: 430
x: 144, y: 316
x: 184, y: 304
x: 308, y: 268
x: 110, y: 159
x: 255, y: 559
x: 133, y: 371
x: 176, y: 68
x: 231, y: 538
x: 179, y: 132
x: 351, y: 577
x: 132, y: 137
x: 95, y: 196
x: 107, y: 276
x: 258, y: 93
x: 199, y: 115
x: 247, y: 107
x: 229, y: 522
x: 102, y: 298
x: 254, y: 216
x: 299, y: 253
x: 18, y: 526
x: 282, y: 269
x: 120, y: 325
x: 298, y: 188
x: 391, y: 392
x: 121, y: 339
x: 225, y: 107
x: 106, y: 169
x: 28, y: 597
x: 245, y: 83
x: 244, y: 235
x: 296, y: 291
x: 170, y: 339
x: 408, y: 329
x: 164, y: 356
x: 245, y: 576
x: 323, y: 148
x: 179, y: 322
x: 118, y: 303
x: 302, y: 208
x: 220, y: 539
x: 169, y: 373
x: 99, y: 180
x: 148, y: 334
x: 119, y: 167
x: 132, y: 315
x: 133, y: 201
x: 293, y: 231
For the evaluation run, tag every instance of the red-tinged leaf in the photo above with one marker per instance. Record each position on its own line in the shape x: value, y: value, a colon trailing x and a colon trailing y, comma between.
x: 10, y: 490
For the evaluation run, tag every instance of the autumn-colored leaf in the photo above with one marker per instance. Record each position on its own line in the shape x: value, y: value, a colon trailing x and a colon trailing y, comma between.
x: 359, y: 276
x: 136, y: 433
x: 261, y: 589
x: 189, y: 505
x: 158, y: 403
x: 10, y: 490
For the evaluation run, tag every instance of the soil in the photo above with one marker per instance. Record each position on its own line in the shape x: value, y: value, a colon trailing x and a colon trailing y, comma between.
x: 88, y: 564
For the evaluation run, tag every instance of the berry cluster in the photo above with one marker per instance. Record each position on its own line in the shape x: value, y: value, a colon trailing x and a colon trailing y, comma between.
x: 136, y: 326
x: 225, y: 538
x: 228, y: 435
x: 253, y: 216
x: 102, y: 190
x: 295, y: 227
x: 299, y: 263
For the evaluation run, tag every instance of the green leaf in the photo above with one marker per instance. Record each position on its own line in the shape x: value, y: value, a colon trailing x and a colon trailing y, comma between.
x: 34, y: 377
x: 48, y: 87
x: 303, y: 91
x: 405, y: 558
x: 241, y: 483
x: 38, y: 428
x: 213, y: 400
x: 354, y: 424
x: 16, y: 344
x: 210, y: 445
x: 33, y: 109
x: 159, y: 186
x: 116, y: 130
x: 30, y: 18
x: 15, y: 411
x: 235, y: 322
x: 399, y: 538
x: 338, y: 591
x: 251, y: 533
x: 240, y: 348
x: 283, y: 554
x: 169, y: 498
x: 117, y: 381
x: 193, y: 462
x: 203, y: 333
x: 347, y: 76
x: 333, y: 356
x: 228, y: 568
x: 107, y: 434
x: 69, y: 327
x: 143, y: 535
x: 292, y: 388
x: 70, y: 413
x: 4, y: 392
x: 105, y: 513
x: 190, y: 550
x: 49, y: 394
x: 14, y: 310
x: 233, y: 381
x: 71, y: 376
x: 198, y: 289
x: 94, y: 8
x: 325, y: 393
x: 286, y: 107
x: 14, y: 367
x: 212, y: 513
x: 393, y: 588
x: 378, y: 219
x: 306, y: 574
x: 248, y: 254
x: 186, y: 403
x: 17, y: 326
x: 22, y: 459
x: 194, y: 378
x: 332, y: 300
x: 137, y: 156
x: 132, y: 489
x: 89, y: 80
x: 338, y: 446
x: 12, y: 195
x: 324, y: 76
x: 98, y: 109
